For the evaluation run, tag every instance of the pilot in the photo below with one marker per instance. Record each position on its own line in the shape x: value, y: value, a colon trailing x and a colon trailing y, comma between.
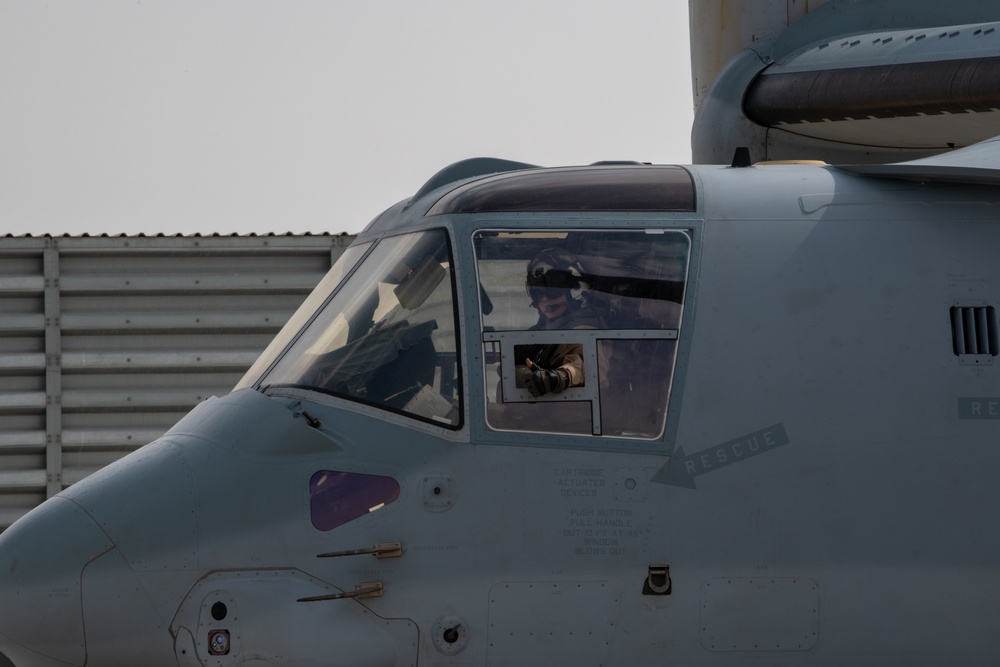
x: 556, y: 284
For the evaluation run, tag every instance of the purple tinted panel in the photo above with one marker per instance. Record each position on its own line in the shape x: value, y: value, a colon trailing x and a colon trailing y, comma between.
x: 338, y: 497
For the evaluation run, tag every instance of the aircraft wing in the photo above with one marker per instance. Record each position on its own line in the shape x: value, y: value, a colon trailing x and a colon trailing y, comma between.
x: 978, y: 164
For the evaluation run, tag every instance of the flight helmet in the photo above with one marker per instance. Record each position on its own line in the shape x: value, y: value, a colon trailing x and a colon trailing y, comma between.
x: 554, y: 272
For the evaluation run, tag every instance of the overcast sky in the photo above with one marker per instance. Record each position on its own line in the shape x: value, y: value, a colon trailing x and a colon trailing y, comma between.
x: 252, y: 116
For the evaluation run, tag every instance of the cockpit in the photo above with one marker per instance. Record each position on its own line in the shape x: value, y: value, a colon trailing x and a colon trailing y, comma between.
x: 387, y: 337
x: 560, y: 323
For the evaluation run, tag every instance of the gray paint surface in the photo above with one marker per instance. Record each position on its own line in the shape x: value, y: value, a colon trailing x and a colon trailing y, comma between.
x: 817, y: 327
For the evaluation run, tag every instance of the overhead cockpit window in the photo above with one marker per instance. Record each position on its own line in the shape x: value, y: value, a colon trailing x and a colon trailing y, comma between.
x: 388, y: 337
x: 580, y: 329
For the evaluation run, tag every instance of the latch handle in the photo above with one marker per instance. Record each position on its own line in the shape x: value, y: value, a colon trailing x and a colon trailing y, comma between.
x: 657, y: 580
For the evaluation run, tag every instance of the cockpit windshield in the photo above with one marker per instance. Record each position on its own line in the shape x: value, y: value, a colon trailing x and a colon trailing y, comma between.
x: 388, y: 337
x: 347, y: 261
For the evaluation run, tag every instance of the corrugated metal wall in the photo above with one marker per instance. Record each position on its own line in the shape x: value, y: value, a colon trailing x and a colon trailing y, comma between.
x: 105, y: 342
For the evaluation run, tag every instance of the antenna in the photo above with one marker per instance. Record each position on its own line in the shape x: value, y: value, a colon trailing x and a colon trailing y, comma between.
x: 741, y: 158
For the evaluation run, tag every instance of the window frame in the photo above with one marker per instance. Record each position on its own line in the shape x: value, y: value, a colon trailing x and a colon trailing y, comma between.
x: 595, y: 223
x: 376, y: 407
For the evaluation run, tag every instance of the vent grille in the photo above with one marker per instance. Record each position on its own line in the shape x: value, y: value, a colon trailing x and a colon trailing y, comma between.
x: 974, y: 330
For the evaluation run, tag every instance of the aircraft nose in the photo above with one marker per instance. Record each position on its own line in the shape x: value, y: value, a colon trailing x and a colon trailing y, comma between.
x: 42, y: 557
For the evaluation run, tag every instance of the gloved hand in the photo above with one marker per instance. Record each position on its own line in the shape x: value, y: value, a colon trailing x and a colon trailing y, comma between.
x: 544, y: 381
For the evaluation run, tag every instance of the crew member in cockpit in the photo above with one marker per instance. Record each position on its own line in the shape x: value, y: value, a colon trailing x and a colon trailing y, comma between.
x: 556, y: 284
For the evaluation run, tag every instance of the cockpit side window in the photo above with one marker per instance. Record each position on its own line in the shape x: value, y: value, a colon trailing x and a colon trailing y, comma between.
x: 580, y: 329
x: 388, y: 337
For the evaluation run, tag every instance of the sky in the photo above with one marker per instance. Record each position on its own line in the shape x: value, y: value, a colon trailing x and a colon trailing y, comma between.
x: 254, y: 116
